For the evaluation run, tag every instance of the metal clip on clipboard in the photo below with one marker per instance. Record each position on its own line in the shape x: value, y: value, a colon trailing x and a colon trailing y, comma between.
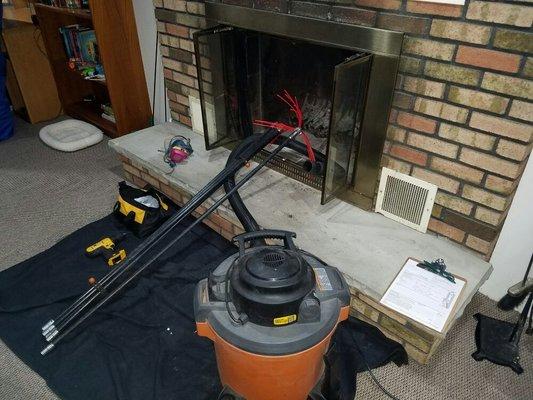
x: 437, y: 267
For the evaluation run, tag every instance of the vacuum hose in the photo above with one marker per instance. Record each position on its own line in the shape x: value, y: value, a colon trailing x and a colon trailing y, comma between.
x: 243, y: 214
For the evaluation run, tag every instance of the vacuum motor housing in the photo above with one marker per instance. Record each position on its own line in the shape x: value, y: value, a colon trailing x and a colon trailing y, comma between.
x: 271, y: 311
x: 269, y: 285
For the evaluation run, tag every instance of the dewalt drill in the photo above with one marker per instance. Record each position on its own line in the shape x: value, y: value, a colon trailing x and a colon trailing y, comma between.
x: 106, y: 248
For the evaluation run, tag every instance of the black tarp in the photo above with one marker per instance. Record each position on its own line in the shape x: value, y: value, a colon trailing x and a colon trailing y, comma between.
x: 143, y: 344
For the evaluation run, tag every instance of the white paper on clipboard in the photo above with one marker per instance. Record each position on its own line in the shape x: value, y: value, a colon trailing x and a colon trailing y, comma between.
x: 422, y: 295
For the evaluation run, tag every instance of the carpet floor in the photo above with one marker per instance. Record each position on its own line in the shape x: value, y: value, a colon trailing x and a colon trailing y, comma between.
x: 46, y: 194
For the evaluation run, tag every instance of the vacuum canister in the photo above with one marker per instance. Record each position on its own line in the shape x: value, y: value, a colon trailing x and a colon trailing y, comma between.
x: 270, y: 311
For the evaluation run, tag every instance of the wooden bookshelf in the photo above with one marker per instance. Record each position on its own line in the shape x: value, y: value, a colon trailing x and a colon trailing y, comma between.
x: 125, y: 83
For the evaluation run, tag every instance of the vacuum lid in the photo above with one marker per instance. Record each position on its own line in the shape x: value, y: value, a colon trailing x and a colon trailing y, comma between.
x: 269, y: 282
x: 273, y: 268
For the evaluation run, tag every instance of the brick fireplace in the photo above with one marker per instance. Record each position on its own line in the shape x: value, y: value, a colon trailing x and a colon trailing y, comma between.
x: 461, y: 114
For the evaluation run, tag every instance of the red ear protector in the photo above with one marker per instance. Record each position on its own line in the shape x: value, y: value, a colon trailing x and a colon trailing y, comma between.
x: 177, y: 150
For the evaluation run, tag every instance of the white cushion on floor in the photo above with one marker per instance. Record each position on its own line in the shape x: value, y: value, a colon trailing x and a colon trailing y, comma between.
x: 70, y: 135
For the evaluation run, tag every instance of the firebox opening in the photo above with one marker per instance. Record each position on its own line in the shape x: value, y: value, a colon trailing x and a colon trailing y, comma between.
x: 259, y: 66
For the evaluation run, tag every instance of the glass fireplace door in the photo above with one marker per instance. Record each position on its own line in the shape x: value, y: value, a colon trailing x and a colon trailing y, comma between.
x: 350, y: 86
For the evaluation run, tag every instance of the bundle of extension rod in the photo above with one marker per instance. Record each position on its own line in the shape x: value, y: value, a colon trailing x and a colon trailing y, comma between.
x: 153, y: 247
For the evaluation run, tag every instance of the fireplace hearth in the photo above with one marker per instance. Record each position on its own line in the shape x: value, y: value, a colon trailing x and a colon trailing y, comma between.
x: 342, y: 75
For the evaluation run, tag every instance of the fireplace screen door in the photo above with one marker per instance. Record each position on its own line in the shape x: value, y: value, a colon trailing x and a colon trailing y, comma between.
x: 350, y: 85
x: 240, y: 72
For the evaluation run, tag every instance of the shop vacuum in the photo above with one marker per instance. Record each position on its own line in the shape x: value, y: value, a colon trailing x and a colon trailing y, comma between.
x: 270, y: 311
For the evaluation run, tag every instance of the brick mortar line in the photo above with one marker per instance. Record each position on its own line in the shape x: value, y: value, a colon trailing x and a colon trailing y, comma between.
x: 522, y: 66
x: 181, y: 73
x: 187, y: 12
x: 457, y: 160
x: 186, y: 74
x: 472, y: 87
x: 435, y: 135
x: 461, y: 181
x: 187, y: 86
x: 472, y: 67
x: 460, y: 162
x: 470, y: 110
x: 463, y: 18
x: 183, y: 62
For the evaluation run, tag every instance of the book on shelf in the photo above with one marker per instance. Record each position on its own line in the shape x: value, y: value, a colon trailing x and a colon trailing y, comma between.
x: 88, y: 46
x: 81, y: 49
x: 107, y: 109
x: 108, y: 112
x: 110, y: 118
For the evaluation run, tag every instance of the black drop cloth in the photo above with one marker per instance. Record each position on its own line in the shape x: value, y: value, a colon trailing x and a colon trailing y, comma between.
x: 142, y: 345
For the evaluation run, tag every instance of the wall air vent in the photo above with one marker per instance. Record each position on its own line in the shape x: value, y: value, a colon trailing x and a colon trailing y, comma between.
x: 405, y: 199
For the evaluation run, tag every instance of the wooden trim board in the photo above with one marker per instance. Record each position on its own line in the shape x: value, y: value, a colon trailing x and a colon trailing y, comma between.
x: 32, y: 70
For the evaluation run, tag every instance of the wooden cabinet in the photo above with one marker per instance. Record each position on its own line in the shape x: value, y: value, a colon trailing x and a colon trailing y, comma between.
x: 118, y: 45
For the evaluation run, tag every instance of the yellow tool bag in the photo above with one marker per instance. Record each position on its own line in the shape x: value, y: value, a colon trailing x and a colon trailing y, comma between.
x: 141, y: 210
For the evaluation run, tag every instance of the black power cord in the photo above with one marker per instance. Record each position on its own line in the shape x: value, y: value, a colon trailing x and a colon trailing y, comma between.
x: 376, y: 381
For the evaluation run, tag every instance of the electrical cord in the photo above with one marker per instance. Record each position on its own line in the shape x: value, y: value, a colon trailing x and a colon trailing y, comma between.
x: 376, y: 381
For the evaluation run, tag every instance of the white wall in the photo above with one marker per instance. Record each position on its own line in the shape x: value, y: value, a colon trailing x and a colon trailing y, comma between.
x: 515, y: 245
x: 147, y: 30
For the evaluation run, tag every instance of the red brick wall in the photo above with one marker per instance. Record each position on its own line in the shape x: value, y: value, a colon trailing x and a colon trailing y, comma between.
x: 463, y: 106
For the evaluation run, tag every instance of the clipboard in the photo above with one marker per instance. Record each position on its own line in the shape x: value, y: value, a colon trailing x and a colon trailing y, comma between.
x: 423, y: 296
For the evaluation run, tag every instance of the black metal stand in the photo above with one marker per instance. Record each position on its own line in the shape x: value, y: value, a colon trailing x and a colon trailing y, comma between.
x: 498, y: 341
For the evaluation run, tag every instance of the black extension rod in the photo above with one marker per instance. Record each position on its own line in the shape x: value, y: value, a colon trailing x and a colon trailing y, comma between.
x: 254, y: 144
x: 76, y: 317
x: 257, y: 142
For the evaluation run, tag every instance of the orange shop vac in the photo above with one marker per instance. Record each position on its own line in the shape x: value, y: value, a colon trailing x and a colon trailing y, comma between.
x: 270, y: 310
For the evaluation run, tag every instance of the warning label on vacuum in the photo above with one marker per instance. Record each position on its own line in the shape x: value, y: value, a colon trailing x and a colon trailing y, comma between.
x: 288, y: 319
x: 322, y: 279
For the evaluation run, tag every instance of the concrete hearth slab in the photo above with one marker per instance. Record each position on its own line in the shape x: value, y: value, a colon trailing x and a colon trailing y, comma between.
x: 367, y: 247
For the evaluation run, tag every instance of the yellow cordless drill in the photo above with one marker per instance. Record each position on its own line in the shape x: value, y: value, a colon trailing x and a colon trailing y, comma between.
x: 106, y: 248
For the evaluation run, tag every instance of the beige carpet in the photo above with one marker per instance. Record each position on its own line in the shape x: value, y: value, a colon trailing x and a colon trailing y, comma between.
x: 45, y: 195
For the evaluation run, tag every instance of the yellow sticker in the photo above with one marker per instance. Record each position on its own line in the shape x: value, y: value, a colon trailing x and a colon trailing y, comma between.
x: 285, y: 320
